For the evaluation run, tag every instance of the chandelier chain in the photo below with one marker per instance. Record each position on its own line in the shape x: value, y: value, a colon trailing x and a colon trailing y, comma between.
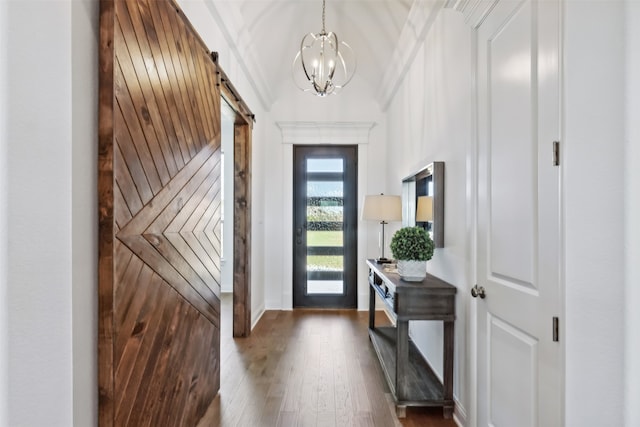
x: 323, y: 7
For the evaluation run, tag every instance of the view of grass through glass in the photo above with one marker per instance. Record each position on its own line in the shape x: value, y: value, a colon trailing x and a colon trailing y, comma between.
x: 324, y: 238
x: 325, y: 263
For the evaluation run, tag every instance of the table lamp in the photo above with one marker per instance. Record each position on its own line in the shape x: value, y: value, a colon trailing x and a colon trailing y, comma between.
x: 382, y: 208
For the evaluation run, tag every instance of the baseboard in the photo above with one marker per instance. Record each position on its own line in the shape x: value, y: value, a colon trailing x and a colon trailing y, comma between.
x: 256, y: 315
x: 459, y: 413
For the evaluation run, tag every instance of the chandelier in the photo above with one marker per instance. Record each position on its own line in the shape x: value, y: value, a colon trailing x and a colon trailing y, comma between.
x: 324, y: 62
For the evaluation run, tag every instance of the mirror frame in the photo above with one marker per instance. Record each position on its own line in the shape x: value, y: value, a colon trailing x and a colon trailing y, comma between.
x: 410, y: 184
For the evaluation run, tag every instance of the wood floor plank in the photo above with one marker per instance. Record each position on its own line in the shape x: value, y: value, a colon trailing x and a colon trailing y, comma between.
x: 287, y: 419
x: 271, y: 410
x: 294, y: 363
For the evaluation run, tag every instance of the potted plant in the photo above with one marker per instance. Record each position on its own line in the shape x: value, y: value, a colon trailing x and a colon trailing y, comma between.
x: 412, y: 247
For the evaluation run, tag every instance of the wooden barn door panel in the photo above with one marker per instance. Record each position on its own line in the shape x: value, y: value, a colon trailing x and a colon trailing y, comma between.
x: 160, y: 210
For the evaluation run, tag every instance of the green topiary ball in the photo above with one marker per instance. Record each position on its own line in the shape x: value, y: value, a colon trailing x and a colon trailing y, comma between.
x: 412, y: 243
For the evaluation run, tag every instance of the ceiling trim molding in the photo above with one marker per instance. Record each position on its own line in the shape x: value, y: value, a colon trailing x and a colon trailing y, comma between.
x: 419, y: 21
x: 301, y: 133
x: 230, y: 22
x: 474, y: 11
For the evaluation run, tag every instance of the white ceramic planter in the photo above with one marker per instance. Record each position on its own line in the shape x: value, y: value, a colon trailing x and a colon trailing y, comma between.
x: 412, y: 271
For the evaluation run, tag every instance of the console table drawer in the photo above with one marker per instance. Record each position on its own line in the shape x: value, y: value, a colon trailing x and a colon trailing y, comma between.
x: 415, y: 304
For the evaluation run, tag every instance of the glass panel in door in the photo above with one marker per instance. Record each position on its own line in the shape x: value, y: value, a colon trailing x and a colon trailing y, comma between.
x: 324, y: 229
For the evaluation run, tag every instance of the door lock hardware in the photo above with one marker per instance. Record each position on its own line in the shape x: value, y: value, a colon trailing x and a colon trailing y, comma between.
x: 478, y: 291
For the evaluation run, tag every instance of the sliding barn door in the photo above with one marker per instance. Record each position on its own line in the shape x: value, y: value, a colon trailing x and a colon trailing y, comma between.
x: 159, y: 217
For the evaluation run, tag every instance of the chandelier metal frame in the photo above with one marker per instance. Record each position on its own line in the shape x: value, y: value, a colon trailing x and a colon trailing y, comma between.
x: 322, y: 62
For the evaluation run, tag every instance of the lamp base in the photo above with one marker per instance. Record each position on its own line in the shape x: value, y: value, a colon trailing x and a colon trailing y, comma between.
x: 384, y: 260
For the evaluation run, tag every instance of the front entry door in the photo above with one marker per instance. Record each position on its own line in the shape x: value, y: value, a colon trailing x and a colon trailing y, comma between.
x: 325, y: 226
x: 519, y: 362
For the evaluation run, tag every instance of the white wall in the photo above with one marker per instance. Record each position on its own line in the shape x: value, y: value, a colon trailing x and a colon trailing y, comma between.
x: 593, y: 175
x: 84, y: 214
x: 4, y: 284
x: 632, y: 210
x: 39, y: 141
x: 429, y: 119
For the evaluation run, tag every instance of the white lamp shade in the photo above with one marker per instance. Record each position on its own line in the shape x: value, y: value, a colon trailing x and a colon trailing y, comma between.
x: 424, y: 212
x: 382, y: 208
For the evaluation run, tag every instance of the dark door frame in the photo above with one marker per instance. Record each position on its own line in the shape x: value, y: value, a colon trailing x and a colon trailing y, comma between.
x: 349, y: 299
x: 242, y: 139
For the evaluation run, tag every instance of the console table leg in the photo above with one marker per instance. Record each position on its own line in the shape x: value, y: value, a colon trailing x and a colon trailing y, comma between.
x: 402, y: 359
x: 372, y: 307
x: 401, y: 411
x: 448, y: 360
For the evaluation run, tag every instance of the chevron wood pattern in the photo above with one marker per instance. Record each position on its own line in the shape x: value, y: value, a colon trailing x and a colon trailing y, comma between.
x: 160, y: 207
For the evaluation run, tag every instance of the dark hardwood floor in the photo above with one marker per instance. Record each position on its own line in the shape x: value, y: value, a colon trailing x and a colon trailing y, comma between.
x: 306, y: 368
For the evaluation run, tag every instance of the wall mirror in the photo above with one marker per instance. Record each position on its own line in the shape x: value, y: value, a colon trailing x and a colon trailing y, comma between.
x: 429, y: 182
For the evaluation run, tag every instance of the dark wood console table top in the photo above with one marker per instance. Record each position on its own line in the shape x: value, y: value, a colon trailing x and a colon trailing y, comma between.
x: 410, y: 378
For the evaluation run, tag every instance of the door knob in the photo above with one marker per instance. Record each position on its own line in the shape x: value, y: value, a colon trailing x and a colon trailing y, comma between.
x: 478, y: 291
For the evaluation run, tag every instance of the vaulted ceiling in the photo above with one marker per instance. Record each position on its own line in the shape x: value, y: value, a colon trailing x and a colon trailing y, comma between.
x: 265, y: 36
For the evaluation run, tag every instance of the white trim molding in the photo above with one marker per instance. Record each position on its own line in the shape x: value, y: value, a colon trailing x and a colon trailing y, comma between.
x: 302, y: 133
x: 231, y: 22
x: 420, y: 20
x: 474, y: 11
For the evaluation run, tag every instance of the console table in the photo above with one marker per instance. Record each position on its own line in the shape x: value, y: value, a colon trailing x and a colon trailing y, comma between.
x: 410, y: 378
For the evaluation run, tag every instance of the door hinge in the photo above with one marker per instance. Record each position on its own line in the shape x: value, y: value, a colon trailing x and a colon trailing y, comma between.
x: 556, y: 329
x: 556, y: 153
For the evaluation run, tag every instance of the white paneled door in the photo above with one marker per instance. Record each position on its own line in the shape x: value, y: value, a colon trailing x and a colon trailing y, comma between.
x: 519, y: 364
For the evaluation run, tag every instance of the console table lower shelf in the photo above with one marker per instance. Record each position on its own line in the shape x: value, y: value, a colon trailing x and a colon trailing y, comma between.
x: 423, y: 388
